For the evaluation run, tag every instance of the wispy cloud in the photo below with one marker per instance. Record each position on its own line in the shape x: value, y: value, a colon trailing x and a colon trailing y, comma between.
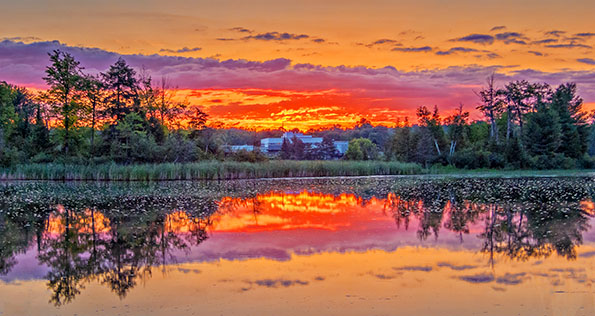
x: 589, y: 34
x: 536, y: 53
x: 421, y: 49
x: 484, y: 39
x: 241, y: 29
x: 588, y: 61
x: 555, y: 33
x: 455, y: 50
x: 568, y: 45
x: 181, y: 50
x: 276, y: 36
x: 512, y: 38
x: 498, y: 28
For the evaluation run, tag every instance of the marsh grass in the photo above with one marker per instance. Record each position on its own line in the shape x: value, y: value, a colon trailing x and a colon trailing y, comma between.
x: 208, y: 170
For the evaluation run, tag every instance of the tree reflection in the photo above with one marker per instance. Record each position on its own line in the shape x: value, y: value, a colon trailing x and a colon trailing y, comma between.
x: 117, y: 237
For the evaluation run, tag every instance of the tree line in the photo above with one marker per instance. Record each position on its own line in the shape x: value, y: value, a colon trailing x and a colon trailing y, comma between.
x: 124, y: 116
x: 118, y: 115
x: 528, y: 125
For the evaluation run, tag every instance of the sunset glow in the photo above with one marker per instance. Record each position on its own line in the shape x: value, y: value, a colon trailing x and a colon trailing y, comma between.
x: 316, y: 64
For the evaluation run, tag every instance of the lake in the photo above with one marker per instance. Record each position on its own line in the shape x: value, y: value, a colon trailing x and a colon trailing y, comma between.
x: 337, y: 246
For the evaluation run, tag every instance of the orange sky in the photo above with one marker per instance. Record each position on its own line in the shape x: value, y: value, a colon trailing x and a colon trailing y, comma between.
x: 311, y: 63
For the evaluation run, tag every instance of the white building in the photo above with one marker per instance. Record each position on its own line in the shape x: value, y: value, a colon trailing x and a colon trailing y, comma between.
x: 273, y: 145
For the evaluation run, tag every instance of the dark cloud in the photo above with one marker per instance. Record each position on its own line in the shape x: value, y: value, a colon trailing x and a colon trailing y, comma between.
x: 181, y: 50
x: 555, y: 33
x: 276, y: 36
x: 478, y: 278
x: 240, y: 29
x: 590, y: 253
x: 422, y: 49
x: 545, y: 41
x: 512, y: 278
x: 568, y: 45
x: 225, y: 39
x: 498, y: 28
x: 588, y: 61
x: 276, y: 283
x: 383, y: 41
x: 318, y: 40
x: 477, y: 38
x: 455, y: 50
x: 584, y: 34
x: 414, y: 268
x: 24, y: 64
x: 536, y: 53
x: 512, y: 38
x: 456, y: 267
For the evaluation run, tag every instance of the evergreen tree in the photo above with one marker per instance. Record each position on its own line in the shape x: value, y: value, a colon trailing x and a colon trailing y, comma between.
x: 122, y: 86
x: 543, y: 132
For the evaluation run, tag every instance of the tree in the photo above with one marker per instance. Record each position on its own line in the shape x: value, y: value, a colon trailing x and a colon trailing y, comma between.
x: 543, y: 133
x: 430, y: 122
x: 402, y: 143
x: 574, y: 131
x: 456, y: 124
x: 491, y: 105
x: 122, y: 86
x: 361, y: 149
x: 64, y: 79
x: 93, y: 89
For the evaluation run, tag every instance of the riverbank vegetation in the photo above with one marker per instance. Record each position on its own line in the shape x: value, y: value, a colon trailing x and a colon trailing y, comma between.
x: 123, y: 125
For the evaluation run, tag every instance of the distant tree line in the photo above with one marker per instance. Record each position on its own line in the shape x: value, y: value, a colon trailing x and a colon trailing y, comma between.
x: 528, y: 125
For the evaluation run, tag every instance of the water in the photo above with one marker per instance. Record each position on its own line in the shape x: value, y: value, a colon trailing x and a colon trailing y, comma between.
x: 376, y: 246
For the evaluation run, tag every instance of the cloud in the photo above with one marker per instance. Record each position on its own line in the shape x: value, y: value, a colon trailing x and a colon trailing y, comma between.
x: 276, y: 36
x: 478, y: 278
x: 276, y: 283
x: 181, y: 50
x: 589, y: 254
x: 545, y: 41
x: 511, y: 38
x: 483, y: 39
x: 588, y: 61
x: 455, y: 50
x: 318, y: 40
x: 585, y: 34
x: 21, y: 39
x: 240, y: 29
x: 456, y: 267
x: 383, y: 41
x: 498, y: 28
x: 414, y: 268
x: 512, y: 278
x: 568, y: 45
x: 555, y: 33
x: 355, y: 90
x: 536, y: 53
x: 422, y: 49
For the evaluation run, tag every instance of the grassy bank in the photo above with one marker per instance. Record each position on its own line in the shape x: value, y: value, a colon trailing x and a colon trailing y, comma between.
x: 208, y: 170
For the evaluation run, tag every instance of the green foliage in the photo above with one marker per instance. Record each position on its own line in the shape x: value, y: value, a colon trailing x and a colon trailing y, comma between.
x: 361, y: 149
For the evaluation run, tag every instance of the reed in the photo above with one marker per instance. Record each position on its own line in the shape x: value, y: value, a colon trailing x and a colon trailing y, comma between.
x: 207, y: 170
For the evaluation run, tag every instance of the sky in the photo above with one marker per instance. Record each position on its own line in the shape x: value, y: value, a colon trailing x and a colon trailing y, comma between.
x: 309, y: 64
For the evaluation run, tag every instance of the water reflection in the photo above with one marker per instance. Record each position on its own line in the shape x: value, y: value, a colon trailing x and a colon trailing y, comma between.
x: 117, y: 236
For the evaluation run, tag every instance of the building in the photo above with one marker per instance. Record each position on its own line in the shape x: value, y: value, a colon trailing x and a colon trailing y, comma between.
x: 273, y: 145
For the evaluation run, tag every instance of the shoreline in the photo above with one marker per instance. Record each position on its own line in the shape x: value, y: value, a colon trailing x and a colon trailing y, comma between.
x: 272, y: 170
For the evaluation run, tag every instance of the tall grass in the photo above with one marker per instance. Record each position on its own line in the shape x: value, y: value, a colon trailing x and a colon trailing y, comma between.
x: 207, y: 170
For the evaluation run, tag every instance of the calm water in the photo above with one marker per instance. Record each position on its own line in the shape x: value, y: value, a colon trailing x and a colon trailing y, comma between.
x: 377, y: 246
